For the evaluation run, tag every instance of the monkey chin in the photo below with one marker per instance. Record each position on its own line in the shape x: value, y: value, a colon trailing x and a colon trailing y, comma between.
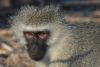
x: 37, y: 52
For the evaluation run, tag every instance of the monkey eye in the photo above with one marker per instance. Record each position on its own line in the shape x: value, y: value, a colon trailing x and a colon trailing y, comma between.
x: 43, y: 35
x: 29, y: 35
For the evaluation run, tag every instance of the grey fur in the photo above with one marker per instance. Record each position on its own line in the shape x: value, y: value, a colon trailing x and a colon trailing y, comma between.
x: 69, y: 45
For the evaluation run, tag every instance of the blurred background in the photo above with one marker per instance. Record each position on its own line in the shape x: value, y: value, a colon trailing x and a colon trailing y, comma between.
x: 73, y: 8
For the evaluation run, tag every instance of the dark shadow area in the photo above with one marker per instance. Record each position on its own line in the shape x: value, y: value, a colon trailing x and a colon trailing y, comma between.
x: 9, y: 7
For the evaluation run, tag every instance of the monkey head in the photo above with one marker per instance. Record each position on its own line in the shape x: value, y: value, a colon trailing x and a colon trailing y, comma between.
x: 37, y: 27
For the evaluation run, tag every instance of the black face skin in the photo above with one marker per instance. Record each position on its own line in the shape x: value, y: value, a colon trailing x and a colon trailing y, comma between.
x: 37, y: 46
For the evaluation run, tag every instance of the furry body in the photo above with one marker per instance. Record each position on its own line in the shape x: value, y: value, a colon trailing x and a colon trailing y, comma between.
x: 69, y: 46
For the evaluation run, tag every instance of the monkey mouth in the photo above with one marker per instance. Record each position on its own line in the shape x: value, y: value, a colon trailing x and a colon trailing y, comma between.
x: 36, y: 58
x: 37, y: 53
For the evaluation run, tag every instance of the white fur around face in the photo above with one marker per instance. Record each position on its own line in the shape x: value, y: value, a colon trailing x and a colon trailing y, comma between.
x: 35, y: 28
x: 53, y: 28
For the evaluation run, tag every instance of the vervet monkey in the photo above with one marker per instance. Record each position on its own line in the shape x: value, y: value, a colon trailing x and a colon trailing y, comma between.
x: 51, y: 43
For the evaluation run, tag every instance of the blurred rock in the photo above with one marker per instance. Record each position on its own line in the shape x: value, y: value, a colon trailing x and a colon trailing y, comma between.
x: 13, y: 54
x: 19, y: 59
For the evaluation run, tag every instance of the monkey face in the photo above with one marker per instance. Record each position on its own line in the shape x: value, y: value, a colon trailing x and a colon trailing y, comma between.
x: 37, y: 46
